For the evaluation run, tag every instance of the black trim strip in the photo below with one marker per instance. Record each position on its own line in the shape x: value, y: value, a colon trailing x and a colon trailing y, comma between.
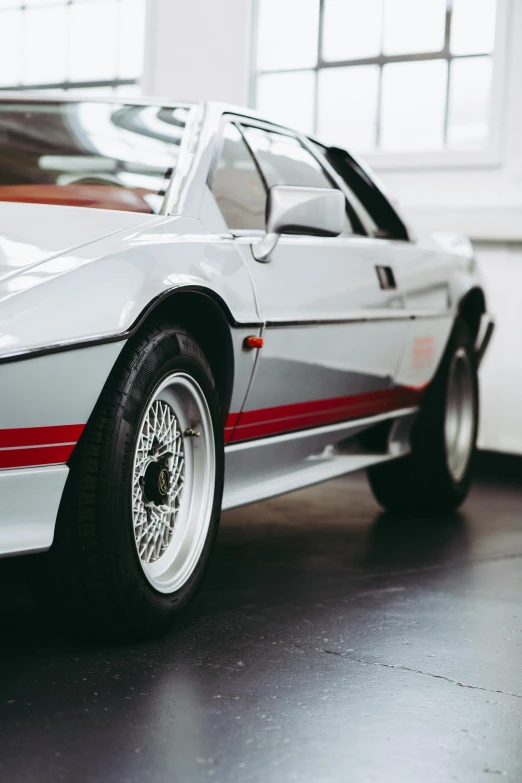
x: 365, y: 319
x: 35, y: 353
x: 327, y: 322
x: 89, y: 342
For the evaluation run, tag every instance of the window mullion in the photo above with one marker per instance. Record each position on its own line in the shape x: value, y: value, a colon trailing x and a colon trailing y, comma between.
x: 318, y: 63
x: 378, y: 117
x: 23, y: 45
x: 447, y: 39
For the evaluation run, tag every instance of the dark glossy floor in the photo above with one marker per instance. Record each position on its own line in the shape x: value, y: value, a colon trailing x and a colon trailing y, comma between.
x: 330, y: 644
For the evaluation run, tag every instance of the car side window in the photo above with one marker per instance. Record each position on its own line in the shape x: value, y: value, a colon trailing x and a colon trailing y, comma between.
x: 284, y: 161
x: 237, y: 185
x: 388, y: 224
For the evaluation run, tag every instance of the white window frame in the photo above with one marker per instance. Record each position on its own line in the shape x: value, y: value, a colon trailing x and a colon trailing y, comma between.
x: 490, y: 156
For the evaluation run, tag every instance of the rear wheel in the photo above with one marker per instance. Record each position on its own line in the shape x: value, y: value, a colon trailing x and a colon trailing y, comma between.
x: 141, y: 507
x: 436, y: 475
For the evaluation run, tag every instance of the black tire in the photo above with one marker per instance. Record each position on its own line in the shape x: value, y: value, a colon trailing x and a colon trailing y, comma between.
x: 93, y: 564
x: 423, y: 482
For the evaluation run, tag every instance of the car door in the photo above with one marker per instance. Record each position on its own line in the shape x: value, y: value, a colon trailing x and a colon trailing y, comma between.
x: 334, y: 320
x: 423, y: 271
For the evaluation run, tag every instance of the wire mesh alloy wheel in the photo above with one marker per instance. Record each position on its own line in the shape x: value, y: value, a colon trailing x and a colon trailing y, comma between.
x: 173, y: 482
x: 459, y: 424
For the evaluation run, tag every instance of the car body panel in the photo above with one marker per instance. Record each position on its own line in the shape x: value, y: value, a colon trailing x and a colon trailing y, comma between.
x: 28, y: 508
x: 340, y: 354
x: 121, y: 275
x: 33, y: 233
x: 283, y: 463
x: 56, y: 390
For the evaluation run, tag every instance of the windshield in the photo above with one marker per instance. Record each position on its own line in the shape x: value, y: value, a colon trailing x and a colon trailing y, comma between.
x: 88, y: 154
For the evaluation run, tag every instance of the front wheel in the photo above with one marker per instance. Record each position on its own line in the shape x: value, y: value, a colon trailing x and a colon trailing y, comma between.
x: 436, y: 476
x: 141, y: 508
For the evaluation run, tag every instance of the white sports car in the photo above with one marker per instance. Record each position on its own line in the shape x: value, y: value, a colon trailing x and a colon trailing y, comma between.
x: 200, y: 309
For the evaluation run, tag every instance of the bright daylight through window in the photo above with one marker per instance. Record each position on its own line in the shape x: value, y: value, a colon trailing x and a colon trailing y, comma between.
x: 359, y: 76
x: 91, y: 45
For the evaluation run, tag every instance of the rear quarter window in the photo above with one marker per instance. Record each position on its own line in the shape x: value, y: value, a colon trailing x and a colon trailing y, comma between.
x: 388, y: 224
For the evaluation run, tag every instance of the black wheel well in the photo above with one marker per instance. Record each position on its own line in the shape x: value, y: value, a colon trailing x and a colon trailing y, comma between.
x: 207, y: 321
x: 471, y: 309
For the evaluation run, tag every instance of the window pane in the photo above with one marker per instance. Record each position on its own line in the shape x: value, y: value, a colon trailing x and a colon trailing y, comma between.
x: 128, y: 90
x: 10, y: 45
x: 348, y: 106
x: 351, y: 29
x: 354, y: 199
x: 413, y: 105
x: 469, y: 98
x: 63, y: 40
x: 288, y: 32
x: 413, y: 26
x: 45, y: 52
x: 288, y: 98
x: 368, y: 194
x: 92, y: 46
x: 284, y: 161
x: 237, y: 186
x: 473, y: 26
x: 131, y: 39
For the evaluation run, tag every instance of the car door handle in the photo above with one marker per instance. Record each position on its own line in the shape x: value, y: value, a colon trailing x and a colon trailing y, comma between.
x: 386, y: 277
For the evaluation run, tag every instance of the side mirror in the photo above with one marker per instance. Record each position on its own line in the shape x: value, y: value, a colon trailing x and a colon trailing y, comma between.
x: 316, y: 212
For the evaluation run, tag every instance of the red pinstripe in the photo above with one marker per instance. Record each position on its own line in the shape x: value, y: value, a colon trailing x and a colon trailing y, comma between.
x: 315, y: 413
x: 31, y: 446
x: 40, y: 455
x: 40, y: 436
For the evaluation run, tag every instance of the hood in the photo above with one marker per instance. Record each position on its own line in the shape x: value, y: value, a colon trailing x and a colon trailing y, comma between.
x: 33, y: 233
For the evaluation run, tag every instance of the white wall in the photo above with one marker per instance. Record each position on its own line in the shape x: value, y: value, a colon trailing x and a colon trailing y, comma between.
x: 501, y: 373
x: 198, y: 50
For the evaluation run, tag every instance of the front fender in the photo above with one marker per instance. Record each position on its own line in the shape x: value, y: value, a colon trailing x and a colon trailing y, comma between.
x: 100, y: 290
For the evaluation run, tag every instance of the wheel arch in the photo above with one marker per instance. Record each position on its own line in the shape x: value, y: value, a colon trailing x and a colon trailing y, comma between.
x: 471, y: 308
x: 207, y: 317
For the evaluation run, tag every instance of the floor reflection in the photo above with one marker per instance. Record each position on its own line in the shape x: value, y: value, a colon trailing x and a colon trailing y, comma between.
x: 416, y: 542
x: 326, y: 645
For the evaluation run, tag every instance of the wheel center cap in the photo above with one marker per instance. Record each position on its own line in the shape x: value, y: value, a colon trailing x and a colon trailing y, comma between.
x: 163, y: 482
x: 157, y: 483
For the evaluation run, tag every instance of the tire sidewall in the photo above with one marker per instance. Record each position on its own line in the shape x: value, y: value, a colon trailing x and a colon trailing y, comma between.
x: 171, y: 351
x: 428, y: 438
